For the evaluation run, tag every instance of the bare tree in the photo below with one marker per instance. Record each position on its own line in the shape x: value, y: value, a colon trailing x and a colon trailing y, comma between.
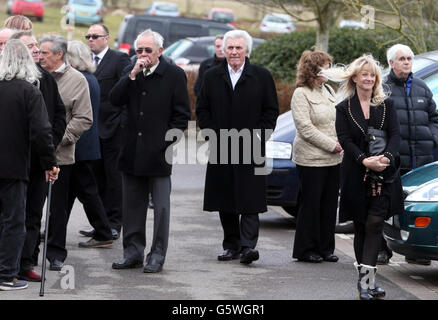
x: 413, y: 20
x: 325, y: 14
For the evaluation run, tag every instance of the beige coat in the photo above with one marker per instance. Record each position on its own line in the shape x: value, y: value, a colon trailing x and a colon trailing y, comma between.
x: 314, y: 116
x: 74, y: 92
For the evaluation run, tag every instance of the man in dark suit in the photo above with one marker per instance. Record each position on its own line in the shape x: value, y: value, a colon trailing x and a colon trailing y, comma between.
x: 111, y: 121
x: 237, y: 95
x: 210, y: 62
x: 156, y: 96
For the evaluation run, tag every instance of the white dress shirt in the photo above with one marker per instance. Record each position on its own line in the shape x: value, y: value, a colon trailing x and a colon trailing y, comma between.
x: 235, y: 75
x: 100, y: 55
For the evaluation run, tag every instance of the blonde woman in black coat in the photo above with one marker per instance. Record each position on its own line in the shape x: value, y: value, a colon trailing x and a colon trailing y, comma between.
x: 365, y: 198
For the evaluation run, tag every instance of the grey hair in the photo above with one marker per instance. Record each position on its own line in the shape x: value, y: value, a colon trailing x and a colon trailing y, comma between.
x: 391, y: 53
x: 79, y: 56
x: 58, y: 44
x: 22, y: 33
x: 158, y: 38
x: 17, y: 62
x: 234, y: 34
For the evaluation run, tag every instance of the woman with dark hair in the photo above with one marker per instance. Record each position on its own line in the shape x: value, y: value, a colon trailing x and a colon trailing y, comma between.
x: 371, y: 189
x: 317, y: 154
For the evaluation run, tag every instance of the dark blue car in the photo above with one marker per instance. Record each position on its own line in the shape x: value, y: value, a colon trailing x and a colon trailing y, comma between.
x: 282, y: 184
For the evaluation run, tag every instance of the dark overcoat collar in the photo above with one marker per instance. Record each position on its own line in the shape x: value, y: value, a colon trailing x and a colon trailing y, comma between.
x: 106, y: 60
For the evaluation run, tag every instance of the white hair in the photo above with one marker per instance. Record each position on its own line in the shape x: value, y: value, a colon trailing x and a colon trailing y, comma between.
x: 158, y: 38
x: 17, y: 62
x: 79, y: 56
x: 234, y: 34
x: 391, y: 54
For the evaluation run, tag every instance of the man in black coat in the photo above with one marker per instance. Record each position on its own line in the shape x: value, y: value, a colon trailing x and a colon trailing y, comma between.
x: 418, y: 117
x: 23, y: 122
x: 241, y: 96
x: 37, y: 187
x: 111, y: 120
x: 210, y: 62
x: 156, y: 96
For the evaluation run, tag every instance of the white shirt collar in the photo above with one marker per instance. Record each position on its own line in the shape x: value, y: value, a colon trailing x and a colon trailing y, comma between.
x: 61, y: 68
x: 151, y: 70
x: 101, y: 54
x: 231, y: 71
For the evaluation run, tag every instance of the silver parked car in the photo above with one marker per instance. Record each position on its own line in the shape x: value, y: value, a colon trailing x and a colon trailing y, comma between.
x: 163, y: 9
x: 277, y: 23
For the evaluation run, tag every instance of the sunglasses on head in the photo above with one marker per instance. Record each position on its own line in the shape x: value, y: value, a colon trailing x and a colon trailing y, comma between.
x: 140, y: 50
x: 94, y: 36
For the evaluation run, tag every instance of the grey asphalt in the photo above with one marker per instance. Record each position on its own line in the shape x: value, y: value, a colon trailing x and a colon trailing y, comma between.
x: 192, y: 271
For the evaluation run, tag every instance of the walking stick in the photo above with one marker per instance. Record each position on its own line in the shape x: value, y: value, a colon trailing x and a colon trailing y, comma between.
x: 46, y: 233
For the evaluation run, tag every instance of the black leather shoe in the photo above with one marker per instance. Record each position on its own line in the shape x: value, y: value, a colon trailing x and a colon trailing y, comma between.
x: 383, y: 257
x: 249, y: 255
x: 330, y: 258
x: 127, y: 264
x: 311, y: 257
x: 228, y: 255
x: 56, y: 265
x: 115, y: 234
x: 153, y: 267
x: 88, y: 233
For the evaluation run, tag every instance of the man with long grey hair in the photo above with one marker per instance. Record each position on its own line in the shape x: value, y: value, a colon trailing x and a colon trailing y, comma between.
x: 74, y: 92
x: 23, y: 120
x: 37, y: 188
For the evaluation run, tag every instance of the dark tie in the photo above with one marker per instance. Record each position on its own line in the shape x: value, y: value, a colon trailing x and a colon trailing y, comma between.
x: 96, y: 60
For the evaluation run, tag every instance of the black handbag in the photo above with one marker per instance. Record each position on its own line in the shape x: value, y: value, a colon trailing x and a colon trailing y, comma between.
x: 377, y: 140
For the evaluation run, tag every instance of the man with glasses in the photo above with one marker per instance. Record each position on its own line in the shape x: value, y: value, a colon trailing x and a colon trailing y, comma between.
x: 156, y: 96
x: 37, y: 186
x: 111, y: 120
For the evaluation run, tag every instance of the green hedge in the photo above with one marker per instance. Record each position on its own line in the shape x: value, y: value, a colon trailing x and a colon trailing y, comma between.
x: 281, y: 54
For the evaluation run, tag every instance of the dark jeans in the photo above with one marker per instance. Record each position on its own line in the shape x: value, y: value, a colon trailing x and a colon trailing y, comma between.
x: 13, y: 228
x: 240, y: 231
x: 109, y: 179
x: 36, y: 196
x: 84, y: 187
x: 315, y: 231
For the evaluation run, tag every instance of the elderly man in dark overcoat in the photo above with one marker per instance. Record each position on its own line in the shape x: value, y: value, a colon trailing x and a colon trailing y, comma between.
x: 156, y: 96
x: 241, y: 96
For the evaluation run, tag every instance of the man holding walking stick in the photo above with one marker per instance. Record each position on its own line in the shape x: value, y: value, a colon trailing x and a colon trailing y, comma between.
x: 23, y: 122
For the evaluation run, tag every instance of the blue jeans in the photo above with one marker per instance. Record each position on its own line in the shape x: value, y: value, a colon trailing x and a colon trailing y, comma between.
x: 12, y: 224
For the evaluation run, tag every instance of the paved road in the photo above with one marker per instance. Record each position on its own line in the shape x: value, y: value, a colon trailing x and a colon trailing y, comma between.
x: 192, y: 272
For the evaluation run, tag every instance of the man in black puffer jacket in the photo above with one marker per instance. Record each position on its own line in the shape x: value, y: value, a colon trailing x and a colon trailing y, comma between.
x: 418, y: 117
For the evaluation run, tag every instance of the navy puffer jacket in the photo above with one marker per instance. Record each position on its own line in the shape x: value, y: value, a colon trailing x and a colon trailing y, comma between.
x: 418, y: 119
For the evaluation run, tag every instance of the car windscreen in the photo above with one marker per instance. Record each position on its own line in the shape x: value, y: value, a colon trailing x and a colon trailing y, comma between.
x: 276, y: 19
x: 166, y: 7
x: 85, y: 2
x: 214, y: 31
x: 420, y: 63
x: 432, y: 83
x: 223, y: 16
x: 176, y: 49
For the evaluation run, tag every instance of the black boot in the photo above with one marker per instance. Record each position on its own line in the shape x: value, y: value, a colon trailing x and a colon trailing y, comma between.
x: 374, y: 289
x: 363, y: 282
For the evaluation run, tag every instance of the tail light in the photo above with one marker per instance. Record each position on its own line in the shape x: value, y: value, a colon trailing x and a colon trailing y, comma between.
x: 422, y: 222
x: 98, y: 12
x: 263, y: 24
x: 153, y: 12
x: 287, y: 28
x: 125, y: 47
x: 181, y: 62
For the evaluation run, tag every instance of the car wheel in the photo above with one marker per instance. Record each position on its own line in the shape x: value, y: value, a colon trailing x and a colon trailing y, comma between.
x: 40, y: 19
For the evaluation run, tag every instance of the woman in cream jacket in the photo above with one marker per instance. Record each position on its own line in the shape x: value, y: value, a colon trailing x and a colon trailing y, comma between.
x: 317, y: 154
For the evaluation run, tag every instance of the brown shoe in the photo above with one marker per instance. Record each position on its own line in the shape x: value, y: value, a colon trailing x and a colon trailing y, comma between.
x: 93, y: 243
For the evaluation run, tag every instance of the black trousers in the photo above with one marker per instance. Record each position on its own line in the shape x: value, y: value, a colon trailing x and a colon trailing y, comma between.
x: 83, y: 186
x: 36, y: 196
x: 12, y: 226
x: 240, y: 231
x: 109, y: 179
x: 315, y: 231
x: 59, y: 215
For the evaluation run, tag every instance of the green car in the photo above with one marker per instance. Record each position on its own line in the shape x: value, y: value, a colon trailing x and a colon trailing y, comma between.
x: 415, y: 232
